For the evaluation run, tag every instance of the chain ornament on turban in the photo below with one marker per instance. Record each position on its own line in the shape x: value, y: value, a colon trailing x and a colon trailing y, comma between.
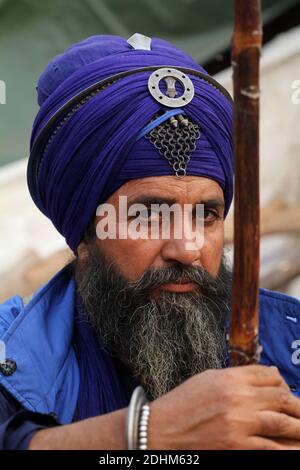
x: 100, y: 126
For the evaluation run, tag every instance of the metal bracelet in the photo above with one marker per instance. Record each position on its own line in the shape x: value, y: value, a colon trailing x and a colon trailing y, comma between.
x: 137, y: 401
x: 143, y: 427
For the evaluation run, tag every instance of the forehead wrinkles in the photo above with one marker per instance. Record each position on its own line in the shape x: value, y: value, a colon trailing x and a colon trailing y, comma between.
x: 191, y: 189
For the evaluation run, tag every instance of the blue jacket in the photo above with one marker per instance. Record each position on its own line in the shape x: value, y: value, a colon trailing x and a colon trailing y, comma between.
x: 38, y: 337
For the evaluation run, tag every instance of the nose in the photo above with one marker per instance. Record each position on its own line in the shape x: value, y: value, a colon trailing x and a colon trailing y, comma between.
x: 178, y: 250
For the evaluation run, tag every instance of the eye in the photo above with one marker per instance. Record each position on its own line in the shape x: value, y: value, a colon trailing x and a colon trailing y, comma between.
x: 211, y: 215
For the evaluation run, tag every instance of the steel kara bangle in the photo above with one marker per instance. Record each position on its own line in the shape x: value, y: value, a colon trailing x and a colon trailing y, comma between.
x: 137, y: 420
x: 143, y: 427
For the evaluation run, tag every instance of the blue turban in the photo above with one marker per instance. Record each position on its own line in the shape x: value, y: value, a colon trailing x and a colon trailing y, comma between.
x: 95, y: 150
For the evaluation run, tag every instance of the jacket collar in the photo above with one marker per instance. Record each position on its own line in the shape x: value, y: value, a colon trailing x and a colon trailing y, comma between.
x: 38, y: 338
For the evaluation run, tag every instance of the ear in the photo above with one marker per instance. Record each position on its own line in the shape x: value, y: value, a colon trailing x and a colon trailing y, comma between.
x: 82, y: 251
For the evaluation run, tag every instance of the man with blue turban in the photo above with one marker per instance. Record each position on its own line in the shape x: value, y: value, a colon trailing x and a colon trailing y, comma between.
x: 126, y: 347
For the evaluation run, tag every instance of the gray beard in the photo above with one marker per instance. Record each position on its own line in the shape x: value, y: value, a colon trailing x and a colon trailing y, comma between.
x: 165, y: 340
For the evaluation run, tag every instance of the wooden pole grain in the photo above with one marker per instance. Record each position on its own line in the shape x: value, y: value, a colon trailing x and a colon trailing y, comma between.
x: 247, y: 40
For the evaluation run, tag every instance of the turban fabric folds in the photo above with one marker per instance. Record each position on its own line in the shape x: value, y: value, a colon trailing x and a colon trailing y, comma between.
x: 96, y: 149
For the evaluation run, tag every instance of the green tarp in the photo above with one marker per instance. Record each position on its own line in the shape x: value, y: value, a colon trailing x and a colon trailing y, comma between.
x: 33, y: 31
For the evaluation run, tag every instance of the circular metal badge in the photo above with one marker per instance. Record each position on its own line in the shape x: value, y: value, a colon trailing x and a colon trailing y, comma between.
x: 171, y: 76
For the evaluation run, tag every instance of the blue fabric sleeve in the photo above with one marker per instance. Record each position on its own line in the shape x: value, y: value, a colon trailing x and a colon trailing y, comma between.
x: 18, y: 425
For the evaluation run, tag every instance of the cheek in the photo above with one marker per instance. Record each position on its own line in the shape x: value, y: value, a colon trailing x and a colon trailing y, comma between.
x: 212, y: 250
x: 131, y: 257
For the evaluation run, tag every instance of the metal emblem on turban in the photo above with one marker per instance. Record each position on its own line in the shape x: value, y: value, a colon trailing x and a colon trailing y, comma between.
x: 173, y: 134
x: 171, y: 76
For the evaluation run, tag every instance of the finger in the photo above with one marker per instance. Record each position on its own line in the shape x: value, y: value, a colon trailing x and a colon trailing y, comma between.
x: 288, y: 442
x: 278, y: 399
x: 261, y: 443
x: 263, y: 376
x: 278, y: 425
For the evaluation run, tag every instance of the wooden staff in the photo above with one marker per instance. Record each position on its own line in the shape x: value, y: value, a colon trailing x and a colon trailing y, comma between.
x: 247, y: 40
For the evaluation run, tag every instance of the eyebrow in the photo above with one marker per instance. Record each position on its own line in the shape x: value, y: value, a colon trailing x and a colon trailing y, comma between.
x: 215, y: 203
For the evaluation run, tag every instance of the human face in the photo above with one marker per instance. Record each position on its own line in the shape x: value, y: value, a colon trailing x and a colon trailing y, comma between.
x: 132, y: 257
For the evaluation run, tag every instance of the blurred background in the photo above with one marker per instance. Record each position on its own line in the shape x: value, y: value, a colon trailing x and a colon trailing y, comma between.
x: 32, y: 32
